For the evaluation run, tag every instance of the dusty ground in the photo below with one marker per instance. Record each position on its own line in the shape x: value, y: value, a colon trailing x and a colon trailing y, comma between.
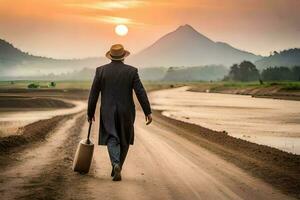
x: 279, y: 168
x: 264, y: 121
x: 30, y: 133
x: 13, y: 119
x: 23, y: 102
x: 162, y: 165
x: 170, y: 160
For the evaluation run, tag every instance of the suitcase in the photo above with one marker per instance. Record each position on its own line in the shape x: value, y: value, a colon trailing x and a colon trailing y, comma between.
x: 84, y: 154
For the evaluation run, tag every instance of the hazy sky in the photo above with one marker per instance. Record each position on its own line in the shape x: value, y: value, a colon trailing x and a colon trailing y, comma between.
x: 83, y: 28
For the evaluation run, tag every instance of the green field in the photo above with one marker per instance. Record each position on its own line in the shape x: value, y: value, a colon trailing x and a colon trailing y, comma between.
x: 45, y: 84
x: 85, y: 85
x: 284, y: 85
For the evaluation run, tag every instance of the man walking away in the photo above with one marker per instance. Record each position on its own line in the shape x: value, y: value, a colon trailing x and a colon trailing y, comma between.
x: 116, y: 81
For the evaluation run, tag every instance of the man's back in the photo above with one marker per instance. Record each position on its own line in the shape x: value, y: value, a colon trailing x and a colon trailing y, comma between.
x: 115, y: 81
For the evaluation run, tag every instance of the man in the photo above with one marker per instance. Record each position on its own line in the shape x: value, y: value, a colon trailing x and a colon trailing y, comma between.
x: 116, y: 81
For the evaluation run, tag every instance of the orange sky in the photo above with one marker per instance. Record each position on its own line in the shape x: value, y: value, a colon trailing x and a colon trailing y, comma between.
x: 82, y: 28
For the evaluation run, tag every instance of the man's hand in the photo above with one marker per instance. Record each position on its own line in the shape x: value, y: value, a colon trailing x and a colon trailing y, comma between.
x: 90, y: 120
x: 148, y: 119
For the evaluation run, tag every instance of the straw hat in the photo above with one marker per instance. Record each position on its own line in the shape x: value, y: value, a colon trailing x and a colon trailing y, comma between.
x: 117, y: 52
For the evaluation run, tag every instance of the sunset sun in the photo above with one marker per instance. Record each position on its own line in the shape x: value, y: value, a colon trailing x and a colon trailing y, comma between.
x: 121, y: 30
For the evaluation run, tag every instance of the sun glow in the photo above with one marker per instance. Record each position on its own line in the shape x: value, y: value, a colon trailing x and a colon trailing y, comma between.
x: 121, y: 30
x: 110, y: 5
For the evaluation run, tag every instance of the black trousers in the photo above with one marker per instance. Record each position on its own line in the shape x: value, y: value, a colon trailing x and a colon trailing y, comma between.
x: 117, y: 152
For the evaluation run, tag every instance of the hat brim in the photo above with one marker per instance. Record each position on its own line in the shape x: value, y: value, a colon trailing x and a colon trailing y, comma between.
x: 127, y: 53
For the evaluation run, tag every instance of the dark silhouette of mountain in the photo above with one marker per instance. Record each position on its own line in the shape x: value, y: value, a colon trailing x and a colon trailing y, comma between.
x: 9, y: 55
x: 286, y: 58
x: 7, y: 50
x: 187, y: 47
x: 14, y: 62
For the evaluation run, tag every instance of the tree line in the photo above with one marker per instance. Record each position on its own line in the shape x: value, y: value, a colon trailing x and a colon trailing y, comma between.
x: 247, y: 71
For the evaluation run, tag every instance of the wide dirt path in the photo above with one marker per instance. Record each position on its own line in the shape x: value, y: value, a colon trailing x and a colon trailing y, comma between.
x: 161, y: 165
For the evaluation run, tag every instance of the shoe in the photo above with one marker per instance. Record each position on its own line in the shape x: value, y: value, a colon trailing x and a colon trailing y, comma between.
x: 112, y: 172
x: 117, y: 173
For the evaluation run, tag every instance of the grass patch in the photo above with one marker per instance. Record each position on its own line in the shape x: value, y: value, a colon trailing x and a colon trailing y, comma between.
x: 291, y: 86
x: 242, y: 84
x: 154, y: 85
x: 23, y: 84
x: 285, y: 85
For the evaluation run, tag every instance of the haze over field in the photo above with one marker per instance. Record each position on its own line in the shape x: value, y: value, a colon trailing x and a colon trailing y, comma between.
x: 184, y: 47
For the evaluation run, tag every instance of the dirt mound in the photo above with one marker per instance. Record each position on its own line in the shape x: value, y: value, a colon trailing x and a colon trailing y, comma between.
x: 30, y: 133
x: 73, y: 94
x: 31, y: 102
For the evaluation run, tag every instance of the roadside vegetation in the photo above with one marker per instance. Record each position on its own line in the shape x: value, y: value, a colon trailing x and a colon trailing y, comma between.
x: 25, y: 84
x: 247, y: 71
x: 243, y: 78
x: 284, y: 85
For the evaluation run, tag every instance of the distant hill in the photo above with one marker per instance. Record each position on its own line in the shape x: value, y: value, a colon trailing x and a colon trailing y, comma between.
x: 187, y: 47
x: 14, y: 62
x: 9, y: 52
x: 205, y: 73
x: 10, y: 56
x: 287, y: 58
x: 152, y: 73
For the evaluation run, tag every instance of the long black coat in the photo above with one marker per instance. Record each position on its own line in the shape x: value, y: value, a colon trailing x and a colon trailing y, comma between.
x: 116, y: 81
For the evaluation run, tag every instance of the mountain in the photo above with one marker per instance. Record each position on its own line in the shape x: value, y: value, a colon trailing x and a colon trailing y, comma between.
x: 187, y: 47
x: 9, y: 55
x: 184, y: 47
x: 14, y: 62
x: 287, y: 58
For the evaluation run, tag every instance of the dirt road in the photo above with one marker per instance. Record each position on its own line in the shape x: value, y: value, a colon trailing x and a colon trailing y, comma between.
x: 161, y: 165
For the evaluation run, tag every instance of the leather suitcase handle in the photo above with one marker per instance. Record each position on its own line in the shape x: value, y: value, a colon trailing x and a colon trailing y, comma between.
x: 89, y: 132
